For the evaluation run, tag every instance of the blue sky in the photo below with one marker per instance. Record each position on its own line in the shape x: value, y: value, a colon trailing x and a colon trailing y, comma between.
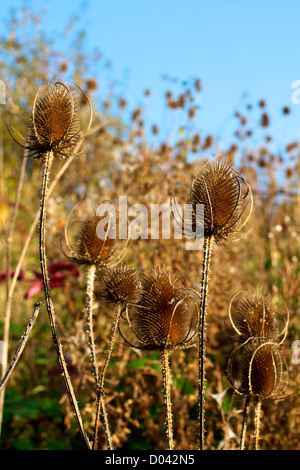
x: 236, y: 48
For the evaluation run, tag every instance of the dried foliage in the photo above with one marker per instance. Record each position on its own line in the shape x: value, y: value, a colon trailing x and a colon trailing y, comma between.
x: 126, y: 155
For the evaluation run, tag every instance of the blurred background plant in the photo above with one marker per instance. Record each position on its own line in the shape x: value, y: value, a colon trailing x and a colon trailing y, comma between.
x: 121, y: 157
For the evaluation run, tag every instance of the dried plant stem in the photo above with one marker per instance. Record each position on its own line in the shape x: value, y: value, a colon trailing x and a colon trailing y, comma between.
x: 207, y: 250
x: 33, y: 226
x: 100, y: 403
x: 244, y: 425
x: 88, y: 310
x: 21, y: 346
x: 8, y: 300
x: 257, y: 422
x: 164, y: 358
x: 50, y: 307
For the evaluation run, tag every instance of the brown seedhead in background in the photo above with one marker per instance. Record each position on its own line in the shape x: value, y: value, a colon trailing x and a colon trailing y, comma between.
x: 255, y: 367
x: 252, y: 314
x: 89, y: 248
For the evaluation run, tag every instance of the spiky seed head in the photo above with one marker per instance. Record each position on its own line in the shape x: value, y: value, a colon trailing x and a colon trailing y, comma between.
x: 223, y: 193
x: 256, y: 369
x: 120, y: 285
x: 253, y: 315
x: 90, y: 248
x: 163, y: 319
x: 53, y: 122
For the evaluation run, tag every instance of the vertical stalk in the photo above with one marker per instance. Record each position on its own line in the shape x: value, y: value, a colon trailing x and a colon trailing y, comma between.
x: 100, y: 403
x: 244, y: 425
x: 164, y: 358
x: 88, y: 310
x: 50, y: 307
x: 257, y: 422
x: 207, y: 250
x: 8, y: 300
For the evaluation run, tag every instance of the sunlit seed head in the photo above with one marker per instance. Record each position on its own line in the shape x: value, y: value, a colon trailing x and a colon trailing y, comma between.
x: 91, y: 248
x: 225, y: 195
x: 252, y: 315
x: 164, y: 318
x: 256, y: 369
x: 53, y: 122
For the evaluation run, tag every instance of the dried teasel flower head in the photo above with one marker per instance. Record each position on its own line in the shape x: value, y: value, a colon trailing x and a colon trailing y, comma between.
x: 251, y: 313
x: 255, y: 369
x: 226, y: 197
x: 166, y: 315
x: 54, y: 124
x: 120, y: 285
x: 95, y: 241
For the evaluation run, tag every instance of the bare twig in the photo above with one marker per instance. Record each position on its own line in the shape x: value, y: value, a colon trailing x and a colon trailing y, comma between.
x: 21, y: 346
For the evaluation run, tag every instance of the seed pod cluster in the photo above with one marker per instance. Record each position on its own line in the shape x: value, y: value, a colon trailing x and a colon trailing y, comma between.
x: 255, y: 367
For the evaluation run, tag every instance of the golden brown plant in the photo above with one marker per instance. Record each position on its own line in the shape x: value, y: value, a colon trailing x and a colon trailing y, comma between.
x: 92, y: 248
x: 54, y: 124
x: 227, y: 201
x: 253, y: 315
x: 54, y: 132
x: 255, y: 371
x: 255, y: 367
x: 223, y: 193
x: 164, y: 319
x: 120, y: 287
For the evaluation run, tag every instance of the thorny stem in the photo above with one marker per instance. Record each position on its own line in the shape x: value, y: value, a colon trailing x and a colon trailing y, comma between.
x: 21, y: 346
x: 244, y: 425
x: 100, y: 403
x: 88, y: 310
x: 164, y: 358
x: 207, y: 249
x: 257, y: 422
x: 50, y: 307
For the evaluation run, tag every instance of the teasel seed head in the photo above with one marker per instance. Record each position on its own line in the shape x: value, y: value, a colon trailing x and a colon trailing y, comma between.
x: 120, y: 285
x: 255, y: 369
x: 165, y: 317
x: 251, y: 313
x: 91, y: 247
x: 53, y: 124
x: 226, y: 197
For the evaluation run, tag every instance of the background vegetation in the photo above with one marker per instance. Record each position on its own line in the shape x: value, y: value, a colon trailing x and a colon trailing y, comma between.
x: 122, y: 157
